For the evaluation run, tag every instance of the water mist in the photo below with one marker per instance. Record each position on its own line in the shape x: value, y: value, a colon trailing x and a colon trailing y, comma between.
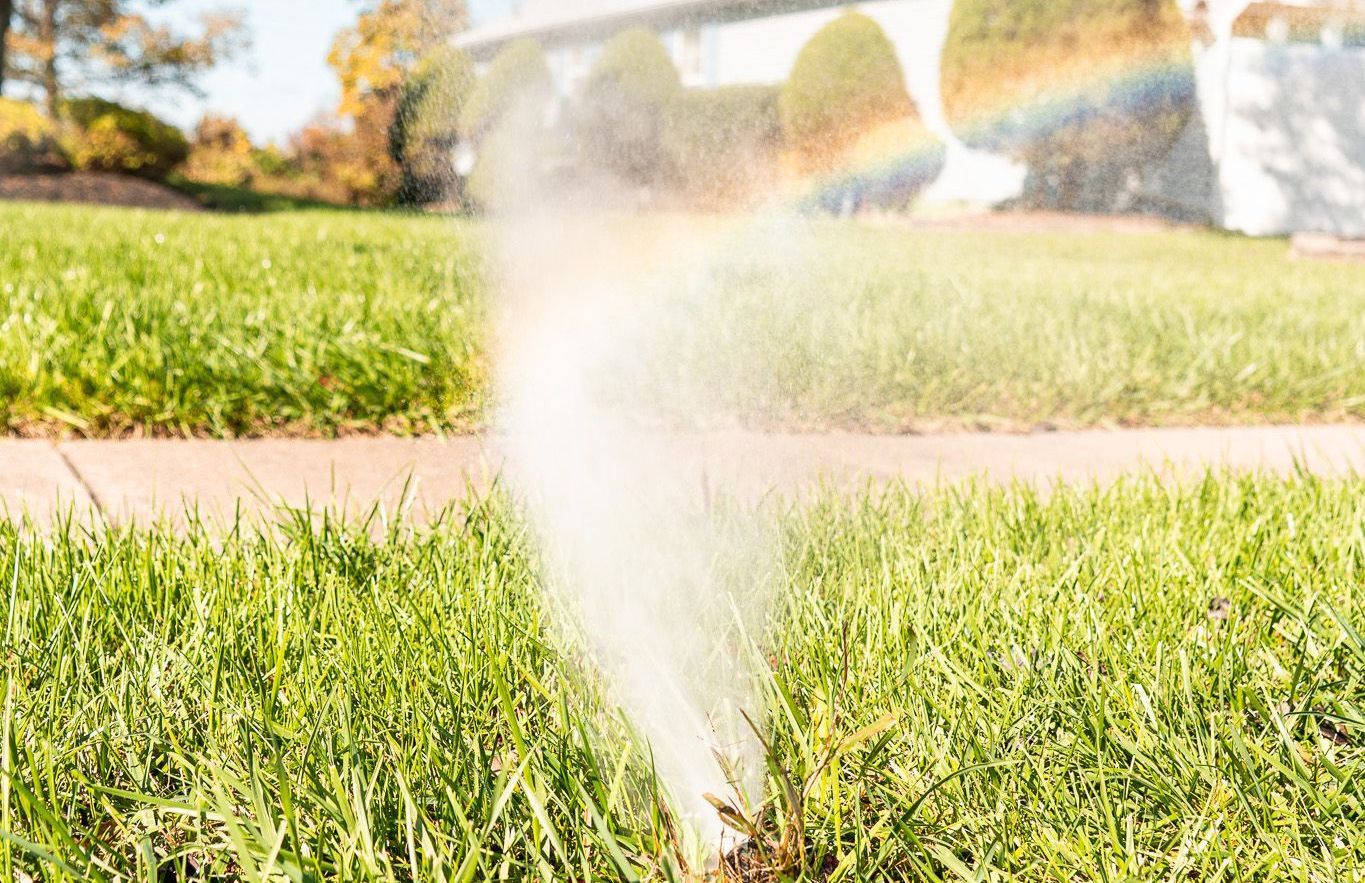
x: 661, y: 579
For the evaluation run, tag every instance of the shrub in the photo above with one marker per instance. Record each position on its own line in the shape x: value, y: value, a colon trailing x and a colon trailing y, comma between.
x: 221, y: 154
x: 1001, y: 53
x: 722, y: 143
x: 1095, y: 90
x: 103, y: 136
x: 28, y: 139
x: 620, y: 116
x: 518, y: 79
x: 504, y: 118
x: 426, y: 125
x: 847, y: 79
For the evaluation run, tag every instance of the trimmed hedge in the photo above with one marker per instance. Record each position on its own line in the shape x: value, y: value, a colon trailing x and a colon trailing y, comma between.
x: 426, y: 127
x: 619, y: 119
x: 723, y: 143
x: 28, y: 139
x: 847, y: 80
x: 518, y: 79
x: 503, y: 117
x: 1088, y: 93
x: 1001, y: 53
x: 107, y: 137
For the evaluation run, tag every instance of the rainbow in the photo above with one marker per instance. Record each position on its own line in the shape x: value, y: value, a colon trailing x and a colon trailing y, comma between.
x: 892, y: 178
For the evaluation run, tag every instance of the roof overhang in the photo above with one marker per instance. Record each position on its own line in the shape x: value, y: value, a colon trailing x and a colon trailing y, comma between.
x: 570, y: 24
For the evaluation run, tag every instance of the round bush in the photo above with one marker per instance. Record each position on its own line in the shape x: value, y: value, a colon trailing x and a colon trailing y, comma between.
x: 426, y: 127
x: 722, y: 143
x: 1004, y: 53
x: 28, y: 139
x: 847, y: 79
x: 517, y: 80
x: 620, y: 116
x: 107, y: 137
x: 1087, y: 93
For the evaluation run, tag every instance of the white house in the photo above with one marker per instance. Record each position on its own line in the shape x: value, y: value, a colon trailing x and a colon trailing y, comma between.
x: 1281, y: 87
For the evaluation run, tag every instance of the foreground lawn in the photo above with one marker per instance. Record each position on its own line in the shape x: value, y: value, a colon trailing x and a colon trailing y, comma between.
x: 1140, y: 683
x: 322, y: 322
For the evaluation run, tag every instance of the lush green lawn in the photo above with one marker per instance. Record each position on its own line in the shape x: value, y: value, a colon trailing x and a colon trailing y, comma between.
x: 324, y: 322
x: 1147, y: 682
x: 319, y: 321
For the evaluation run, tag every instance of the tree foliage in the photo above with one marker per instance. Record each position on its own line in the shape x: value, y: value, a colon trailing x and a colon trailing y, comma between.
x: 847, y: 79
x: 6, y: 17
x: 61, y: 45
x: 372, y: 60
x: 375, y: 56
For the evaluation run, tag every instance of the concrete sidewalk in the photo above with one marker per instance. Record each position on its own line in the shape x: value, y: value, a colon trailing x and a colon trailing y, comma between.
x: 142, y: 481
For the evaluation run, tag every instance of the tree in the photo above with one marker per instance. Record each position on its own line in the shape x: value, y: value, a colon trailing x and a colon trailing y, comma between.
x: 60, y: 44
x: 372, y: 60
x: 6, y: 14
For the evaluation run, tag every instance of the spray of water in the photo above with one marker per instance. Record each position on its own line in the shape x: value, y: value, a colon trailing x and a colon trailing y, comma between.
x: 658, y: 577
x: 666, y: 588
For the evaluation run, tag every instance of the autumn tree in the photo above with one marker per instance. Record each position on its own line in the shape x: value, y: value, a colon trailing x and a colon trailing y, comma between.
x: 6, y: 15
x: 57, y: 45
x: 372, y: 59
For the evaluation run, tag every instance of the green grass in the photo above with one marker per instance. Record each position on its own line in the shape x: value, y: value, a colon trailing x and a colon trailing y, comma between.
x: 225, y: 198
x: 120, y: 321
x: 324, y: 322
x: 1146, y: 682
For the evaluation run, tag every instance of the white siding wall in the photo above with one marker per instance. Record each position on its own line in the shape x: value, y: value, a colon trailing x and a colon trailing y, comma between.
x: 1291, y: 135
x: 764, y: 50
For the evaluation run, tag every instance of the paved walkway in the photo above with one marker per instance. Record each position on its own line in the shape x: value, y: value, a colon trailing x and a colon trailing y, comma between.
x: 147, y: 480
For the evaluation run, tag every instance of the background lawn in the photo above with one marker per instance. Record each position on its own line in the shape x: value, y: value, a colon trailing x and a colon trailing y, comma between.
x: 1147, y: 682
x: 321, y: 322
x: 118, y: 321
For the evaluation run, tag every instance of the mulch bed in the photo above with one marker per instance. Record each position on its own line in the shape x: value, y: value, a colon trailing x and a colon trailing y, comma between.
x: 982, y: 221
x: 95, y: 188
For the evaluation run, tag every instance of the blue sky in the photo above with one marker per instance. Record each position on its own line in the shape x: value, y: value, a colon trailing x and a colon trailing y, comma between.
x: 480, y: 10
x: 283, y: 81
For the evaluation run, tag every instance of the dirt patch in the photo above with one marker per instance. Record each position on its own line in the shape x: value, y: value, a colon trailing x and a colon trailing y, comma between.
x: 95, y: 188
x: 1027, y: 222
